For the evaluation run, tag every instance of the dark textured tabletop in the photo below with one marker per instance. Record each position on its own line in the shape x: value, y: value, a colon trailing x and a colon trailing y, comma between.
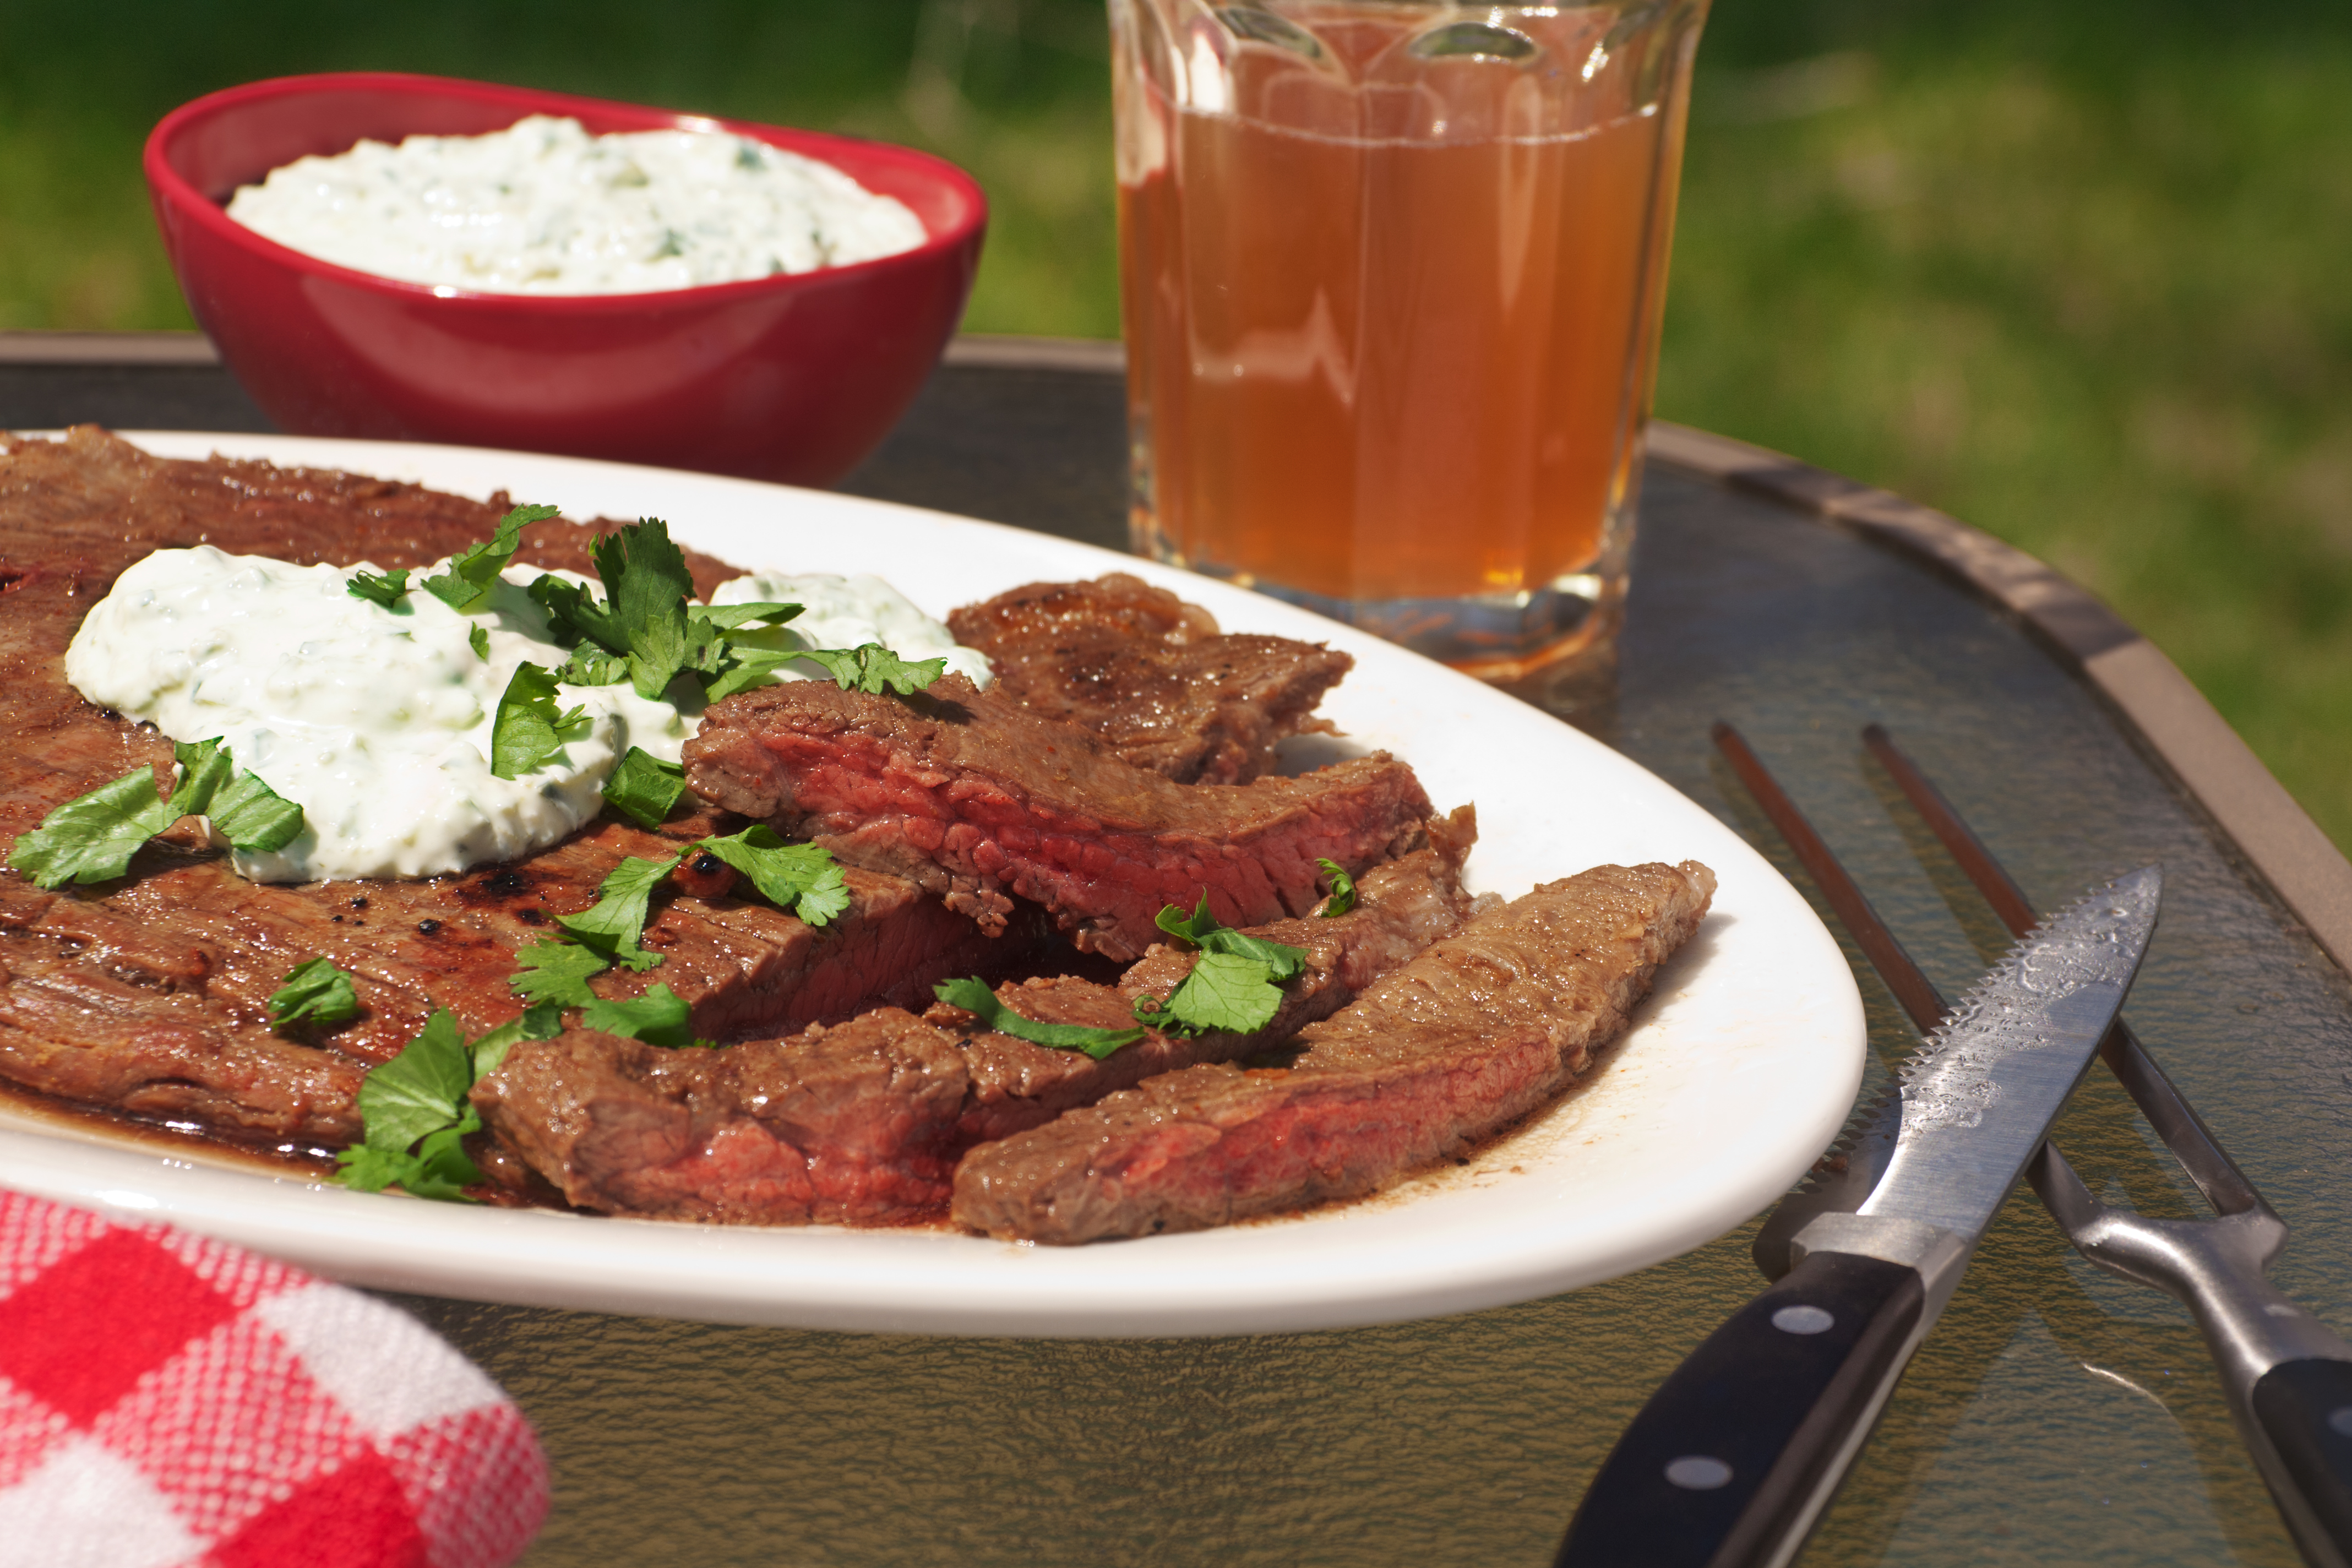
x: 2056, y: 1415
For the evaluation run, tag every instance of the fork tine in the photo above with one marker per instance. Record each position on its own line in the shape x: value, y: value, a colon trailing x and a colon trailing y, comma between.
x: 2192, y: 1141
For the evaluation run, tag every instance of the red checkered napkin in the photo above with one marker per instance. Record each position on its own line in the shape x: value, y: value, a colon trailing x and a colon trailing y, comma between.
x: 166, y: 1400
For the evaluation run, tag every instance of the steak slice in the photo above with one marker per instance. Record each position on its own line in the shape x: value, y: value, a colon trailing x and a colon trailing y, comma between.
x: 981, y: 802
x: 1150, y: 675
x: 1468, y: 1038
x: 844, y: 1124
x: 726, y: 1136
x: 151, y: 994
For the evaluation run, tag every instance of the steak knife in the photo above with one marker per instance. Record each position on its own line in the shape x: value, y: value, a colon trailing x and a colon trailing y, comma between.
x: 1731, y: 1461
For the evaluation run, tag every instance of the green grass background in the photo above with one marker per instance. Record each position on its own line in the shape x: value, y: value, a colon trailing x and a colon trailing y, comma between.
x: 2080, y: 273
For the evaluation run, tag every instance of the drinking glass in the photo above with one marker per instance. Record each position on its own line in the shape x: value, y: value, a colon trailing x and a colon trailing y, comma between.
x: 1391, y: 276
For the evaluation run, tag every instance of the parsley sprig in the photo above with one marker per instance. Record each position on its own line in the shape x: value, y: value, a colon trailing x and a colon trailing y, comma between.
x: 414, y: 1112
x: 1235, y: 986
x: 92, y: 838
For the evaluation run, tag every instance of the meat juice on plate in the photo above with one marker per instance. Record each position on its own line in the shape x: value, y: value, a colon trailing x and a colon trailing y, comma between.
x: 1391, y: 285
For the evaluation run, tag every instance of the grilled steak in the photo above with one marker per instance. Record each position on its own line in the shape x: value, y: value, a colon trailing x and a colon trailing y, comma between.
x: 1468, y: 1038
x: 981, y: 801
x: 150, y: 995
x: 1150, y: 675
x: 729, y: 1136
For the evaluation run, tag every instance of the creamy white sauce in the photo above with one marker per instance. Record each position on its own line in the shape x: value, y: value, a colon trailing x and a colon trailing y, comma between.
x: 543, y: 207
x: 846, y: 612
x: 378, y: 721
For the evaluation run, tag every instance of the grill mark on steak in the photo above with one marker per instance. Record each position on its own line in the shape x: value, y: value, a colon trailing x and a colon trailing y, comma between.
x: 1462, y: 1041
x: 150, y: 995
x: 981, y: 801
x: 1150, y: 675
x: 629, y: 1129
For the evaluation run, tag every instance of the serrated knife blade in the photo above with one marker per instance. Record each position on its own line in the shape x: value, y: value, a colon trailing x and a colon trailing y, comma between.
x: 1731, y: 1461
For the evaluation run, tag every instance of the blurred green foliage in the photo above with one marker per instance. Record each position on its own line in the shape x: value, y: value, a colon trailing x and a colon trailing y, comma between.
x: 2076, y: 273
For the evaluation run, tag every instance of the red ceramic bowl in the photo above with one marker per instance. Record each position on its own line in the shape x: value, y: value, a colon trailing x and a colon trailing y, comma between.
x: 792, y: 378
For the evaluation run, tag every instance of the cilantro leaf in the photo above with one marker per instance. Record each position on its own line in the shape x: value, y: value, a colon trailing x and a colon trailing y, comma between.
x: 316, y: 992
x: 419, y: 1091
x: 728, y: 617
x: 563, y: 600
x: 251, y: 815
x: 1343, y: 888
x: 644, y: 615
x: 368, y: 1170
x: 614, y: 923
x: 1225, y: 992
x: 660, y: 1018
x: 557, y: 973
x: 529, y: 732
x: 870, y: 666
x: 593, y: 669
x: 440, y: 1168
x: 745, y: 667
x: 1203, y: 930
x: 474, y: 569
x: 383, y: 588
x: 479, y: 640
x: 974, y: 996
x: 798, y: 877
x: 644, y: 787
x: 92, y: 838
x: 540, y: 1021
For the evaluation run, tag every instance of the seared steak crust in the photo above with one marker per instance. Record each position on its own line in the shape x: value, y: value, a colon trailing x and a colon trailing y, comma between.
x: 1468, y: 1038
x: 1150, y: 675
x: 726, y: 1136
x: 150, y: 995
x: 982, y: 801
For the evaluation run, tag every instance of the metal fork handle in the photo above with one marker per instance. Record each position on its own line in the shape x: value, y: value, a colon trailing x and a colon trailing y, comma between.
x: 2288, y: 1375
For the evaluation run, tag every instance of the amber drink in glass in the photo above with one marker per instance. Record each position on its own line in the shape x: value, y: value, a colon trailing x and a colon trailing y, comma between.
x: 1391, y: 279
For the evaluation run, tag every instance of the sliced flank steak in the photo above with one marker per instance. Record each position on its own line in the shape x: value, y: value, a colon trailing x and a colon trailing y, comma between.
x: 982, y: 802
x: 150, y: 995
x: 1459, y: 1043
x: 1150, y: 675
x: 863, y: 1122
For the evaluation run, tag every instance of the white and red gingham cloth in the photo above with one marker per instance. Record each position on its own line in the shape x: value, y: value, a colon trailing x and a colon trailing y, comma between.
x: 166, y: 1400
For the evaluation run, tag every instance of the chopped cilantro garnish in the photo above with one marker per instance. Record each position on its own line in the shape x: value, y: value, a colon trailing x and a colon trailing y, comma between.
x: 474, y: 569
x: 644, y: 788
x: 479, y: 640
x: 1343, y: 888
x: 1234, y: 985
x: 557, y: 972
x: 974, y: 996
x: 800, y: 878
x: 871, y: 668
x: 383, y: 588
x: 528, y: 732
x: 414, y: 1112
x: 615, y: 922
x: 92, y: 838
x: 315, y: 992
x: 746, y: 668
x: 660, y: 1018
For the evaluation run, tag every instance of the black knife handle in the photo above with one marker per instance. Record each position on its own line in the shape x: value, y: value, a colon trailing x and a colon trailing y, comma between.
x: 2304, y: 1408
x: 1738, y: 1450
